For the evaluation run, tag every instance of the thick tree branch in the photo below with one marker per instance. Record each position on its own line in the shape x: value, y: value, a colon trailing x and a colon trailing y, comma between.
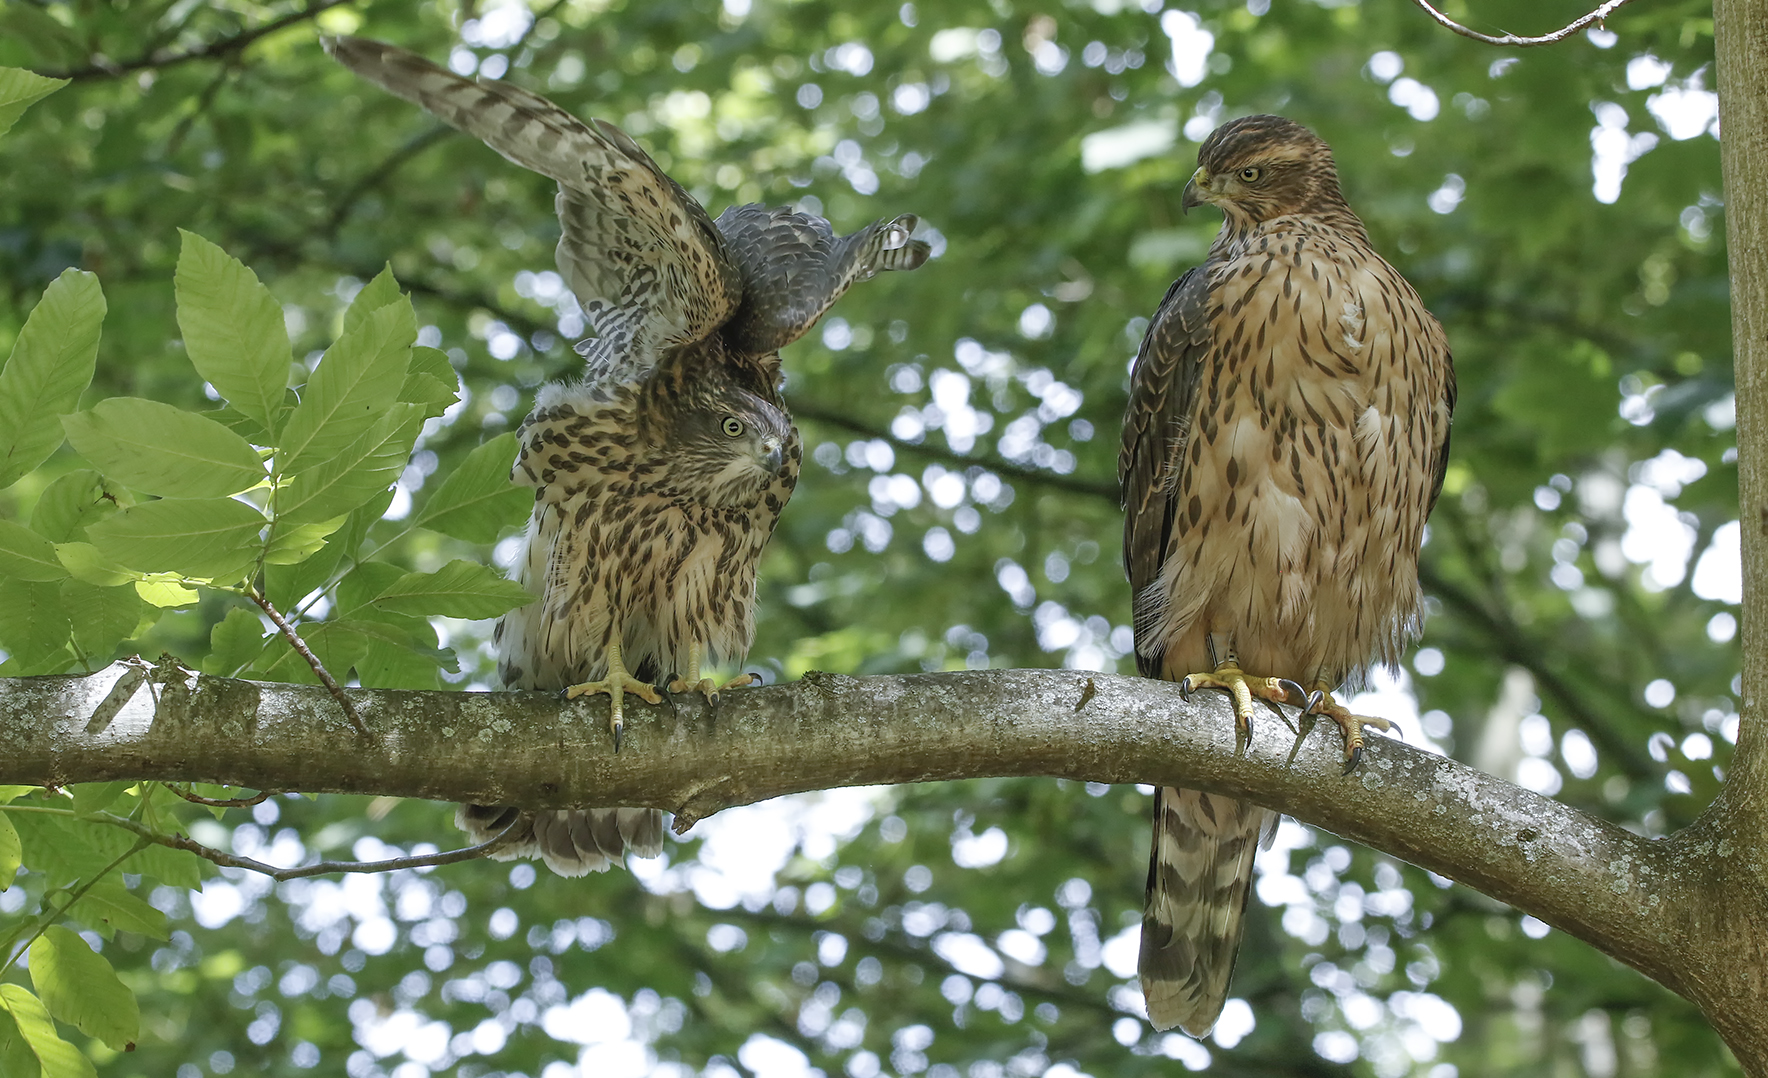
x: 1595, y: 18
x: 1638, y: 900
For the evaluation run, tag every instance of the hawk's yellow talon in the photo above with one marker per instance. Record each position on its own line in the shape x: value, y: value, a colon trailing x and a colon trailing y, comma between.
x: 1242, y: 689
x: 1322, y: 703
x: 616, y: 684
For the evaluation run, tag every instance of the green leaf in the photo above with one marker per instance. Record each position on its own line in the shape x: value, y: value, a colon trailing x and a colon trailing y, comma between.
x: 33, y: 625
x: 64, y: 850
x: 103, y: 617
x: 477, y: 500
x: 69, y: 503
x: 87, y: 563
x: 57, y: 1057
x: 108, y: 907
x: 11, y: 852
x: 362, y: 470
x: 287, y: 585
x: 90, y: 797
x: 356, y: 381
x: 372, y: 297
x: 16, y: 1058
x: 291, y: 544
x: 165, y: 593
x: 233, y: 330
x: 175, y: 868
x: 337, y: 646
x: 207, y: 538
x: 163, y: 450
x: 25, y: 555
x: 19, y: 89
x: 51, y: 365
x: 460, y: 589
x: 79, y: 987
x: 234, y: 642
x: 432, y: 381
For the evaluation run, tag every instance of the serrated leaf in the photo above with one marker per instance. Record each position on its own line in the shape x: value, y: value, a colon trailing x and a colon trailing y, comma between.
x: 109, y: 907
x: 291, y: 544
x: 80, y: 988
x: 69, y: 503
x: 20, y: 89
x: 357, y: 380
x: 103, y: 617
x: 234, y: 642
x: 460, y: 589
x: 25, y: 555
x: 33, y: 625
x: 11, y: 852
x: 163, y: 450
x: 233, y: 330
x: 90, y: 797
x: 50, y: 366
x: 357, y: 473
x: 57, y: 1057
x: 477, y: 500
x: 208, y: 538
x: 371, y: 297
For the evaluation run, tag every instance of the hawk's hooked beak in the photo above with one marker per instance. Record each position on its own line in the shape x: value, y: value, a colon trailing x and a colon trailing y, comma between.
x: 776, y: 456
x: 1193, y: 195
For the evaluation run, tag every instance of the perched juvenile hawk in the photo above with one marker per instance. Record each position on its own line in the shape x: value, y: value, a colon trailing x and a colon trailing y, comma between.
x: 659, y: 477
x: 1287, y: 431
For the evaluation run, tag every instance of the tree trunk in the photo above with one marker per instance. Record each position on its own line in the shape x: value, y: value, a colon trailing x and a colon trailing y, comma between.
x: 1728, y: 846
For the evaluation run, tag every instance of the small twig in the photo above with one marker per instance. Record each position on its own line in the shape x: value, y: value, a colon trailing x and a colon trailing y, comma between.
x: 322, y: 868
x: 1074, y: 484
x: 107, y: 69
x: 1595, y: 17
x: 301, y: 648
x: 233, y: 803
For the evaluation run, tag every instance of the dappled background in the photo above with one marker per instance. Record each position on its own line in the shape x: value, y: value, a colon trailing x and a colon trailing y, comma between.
x: 1558, y: 209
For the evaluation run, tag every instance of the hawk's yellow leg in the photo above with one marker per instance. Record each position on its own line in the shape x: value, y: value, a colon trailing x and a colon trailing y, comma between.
x: 617, y: 684
x: 705, y: 686
x: 1243, y: 688
x: 1322, y: 703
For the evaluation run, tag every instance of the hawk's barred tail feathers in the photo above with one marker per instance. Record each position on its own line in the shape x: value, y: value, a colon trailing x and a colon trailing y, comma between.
x: 1199, y: 878
x: 572, y: 842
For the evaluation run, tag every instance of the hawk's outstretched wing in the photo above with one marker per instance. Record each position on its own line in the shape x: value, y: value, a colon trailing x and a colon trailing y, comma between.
x: 794, y: 268
x: 641, y: 255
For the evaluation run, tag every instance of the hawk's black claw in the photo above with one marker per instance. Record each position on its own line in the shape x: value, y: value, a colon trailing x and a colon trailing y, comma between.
x: 1314, y: 700
x: 1294, y: 693
x: 619, y: 728
x: 1185, y: 688
x: 1356, y: 757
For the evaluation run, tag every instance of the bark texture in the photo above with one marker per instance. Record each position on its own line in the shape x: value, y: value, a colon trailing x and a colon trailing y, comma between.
x: 1658, y: 906
x: 1728, y: 847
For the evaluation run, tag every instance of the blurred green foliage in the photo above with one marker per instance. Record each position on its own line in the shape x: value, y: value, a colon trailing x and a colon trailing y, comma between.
x: 1558, y: 209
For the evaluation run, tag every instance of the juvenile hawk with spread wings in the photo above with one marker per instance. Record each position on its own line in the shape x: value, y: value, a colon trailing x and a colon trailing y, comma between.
x: 1287, y: 431
x: 659, y: 477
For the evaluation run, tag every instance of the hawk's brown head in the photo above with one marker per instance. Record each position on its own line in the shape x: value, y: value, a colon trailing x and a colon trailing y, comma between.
x: 1258, y: 168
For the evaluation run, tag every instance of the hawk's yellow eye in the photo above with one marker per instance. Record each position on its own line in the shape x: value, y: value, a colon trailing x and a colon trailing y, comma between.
x: 733, y: 426
x: 1250, y: 175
